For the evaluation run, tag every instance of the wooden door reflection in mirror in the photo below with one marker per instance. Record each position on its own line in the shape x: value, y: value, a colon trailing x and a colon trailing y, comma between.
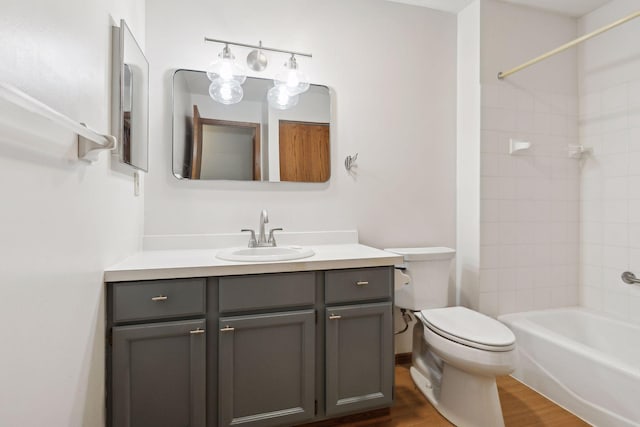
x: 304, y: 151
x: 224, y: 149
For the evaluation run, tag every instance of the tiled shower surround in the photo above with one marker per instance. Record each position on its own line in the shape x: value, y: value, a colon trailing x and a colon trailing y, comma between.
x: 530, y: 201
x: 610, y: 198
x: 609, y: 121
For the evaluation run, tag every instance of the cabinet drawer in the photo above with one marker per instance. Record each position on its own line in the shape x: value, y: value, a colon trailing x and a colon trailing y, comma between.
x: 267, y: 291
x: 158, y: 299
x: 360, y: 284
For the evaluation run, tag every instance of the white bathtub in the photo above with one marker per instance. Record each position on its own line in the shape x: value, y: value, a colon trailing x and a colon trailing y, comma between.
x: 586, y: 362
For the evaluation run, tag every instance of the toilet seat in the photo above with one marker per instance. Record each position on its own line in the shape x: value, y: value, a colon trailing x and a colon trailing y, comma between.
x: 470, y: 328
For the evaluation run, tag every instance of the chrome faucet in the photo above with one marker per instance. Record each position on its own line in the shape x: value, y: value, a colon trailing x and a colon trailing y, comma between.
x: 264, y: 218
x: 262, y: 240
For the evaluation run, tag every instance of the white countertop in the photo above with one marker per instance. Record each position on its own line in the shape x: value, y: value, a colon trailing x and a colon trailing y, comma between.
x: 171, y: 264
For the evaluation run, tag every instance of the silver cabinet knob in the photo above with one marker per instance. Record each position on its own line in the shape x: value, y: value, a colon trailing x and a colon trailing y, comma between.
x: 160, y: 298
x: 335, y: 317
x: 227, y: 329
x: 197, y: 331
x: 362, y: 283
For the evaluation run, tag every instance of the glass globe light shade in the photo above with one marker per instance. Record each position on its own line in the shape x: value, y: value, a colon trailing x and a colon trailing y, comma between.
x: 292, y: 78
x: 226, y: 92
x: 280, y: 98
x: 226, y: 68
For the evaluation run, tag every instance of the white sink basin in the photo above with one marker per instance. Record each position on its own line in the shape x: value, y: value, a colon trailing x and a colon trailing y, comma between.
x: 266, y: 254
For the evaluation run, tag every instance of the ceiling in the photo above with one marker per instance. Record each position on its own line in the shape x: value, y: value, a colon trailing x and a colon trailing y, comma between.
x: 575, y: 8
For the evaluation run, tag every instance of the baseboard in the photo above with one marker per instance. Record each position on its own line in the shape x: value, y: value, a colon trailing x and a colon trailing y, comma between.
x: 382, y: 414
x: 403, y: 358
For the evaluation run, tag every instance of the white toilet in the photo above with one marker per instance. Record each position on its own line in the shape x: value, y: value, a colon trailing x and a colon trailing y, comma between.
x: 457, y: 352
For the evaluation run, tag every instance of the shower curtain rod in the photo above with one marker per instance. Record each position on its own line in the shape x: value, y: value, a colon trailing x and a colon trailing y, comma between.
x: 502, y: 75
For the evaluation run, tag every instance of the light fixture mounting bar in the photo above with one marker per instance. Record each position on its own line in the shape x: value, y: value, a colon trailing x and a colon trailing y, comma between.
x: 272, y: 49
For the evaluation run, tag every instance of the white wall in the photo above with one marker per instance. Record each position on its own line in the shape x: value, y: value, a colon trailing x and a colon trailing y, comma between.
x: 529, y: 209
x: 609, y: 76
x: 393, y: 74
x: 468, y: 156
x: 513, y: 34
x: 61, y: 221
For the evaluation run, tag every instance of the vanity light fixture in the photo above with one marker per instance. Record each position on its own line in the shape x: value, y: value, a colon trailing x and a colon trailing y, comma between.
x: 292, y: 78
x: 226, y: 68
x: 257, y: 60
x: 288, y: 84
x: 226, y: 78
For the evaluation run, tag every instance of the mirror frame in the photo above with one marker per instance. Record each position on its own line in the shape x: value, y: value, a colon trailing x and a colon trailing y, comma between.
x: 118, y: 93
x: 331, y: 125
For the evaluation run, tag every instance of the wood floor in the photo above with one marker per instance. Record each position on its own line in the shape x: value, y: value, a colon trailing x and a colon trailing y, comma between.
x: 521, y: 406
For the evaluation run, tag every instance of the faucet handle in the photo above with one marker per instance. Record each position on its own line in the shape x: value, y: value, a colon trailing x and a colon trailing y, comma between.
x: 272, y: 240
x: 252, y: 240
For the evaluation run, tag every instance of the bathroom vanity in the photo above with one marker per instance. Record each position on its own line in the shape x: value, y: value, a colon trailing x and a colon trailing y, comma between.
x: 196, y: 341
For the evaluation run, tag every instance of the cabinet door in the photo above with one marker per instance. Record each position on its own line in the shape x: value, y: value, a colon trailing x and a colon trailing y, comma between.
x: 266, y: 369
x: 159, y: 375
x: 359, y: 357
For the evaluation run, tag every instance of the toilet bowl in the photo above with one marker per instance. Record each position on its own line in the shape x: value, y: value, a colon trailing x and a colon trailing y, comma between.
x: 456, y: 369
x: 457, y: 352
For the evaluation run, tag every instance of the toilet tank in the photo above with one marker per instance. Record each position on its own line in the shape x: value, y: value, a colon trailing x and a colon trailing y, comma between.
x: 424, y: 283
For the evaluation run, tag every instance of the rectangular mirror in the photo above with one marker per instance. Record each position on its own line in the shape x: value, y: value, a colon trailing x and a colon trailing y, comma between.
x: 249, y: 141
x: 130, y: 99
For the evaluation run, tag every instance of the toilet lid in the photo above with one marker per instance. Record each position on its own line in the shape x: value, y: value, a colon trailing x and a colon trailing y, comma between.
x: 424, y: 254
x: 469, y: 327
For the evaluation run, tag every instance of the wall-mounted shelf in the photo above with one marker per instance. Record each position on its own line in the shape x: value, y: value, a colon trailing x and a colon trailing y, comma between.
x: 90, y: 143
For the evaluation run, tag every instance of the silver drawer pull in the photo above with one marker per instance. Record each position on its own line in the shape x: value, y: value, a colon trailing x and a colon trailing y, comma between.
x: 335, y: 317
x: 362, y: 283
x: 197, y: 331
x: 227, y: 329
x: 160, y: 298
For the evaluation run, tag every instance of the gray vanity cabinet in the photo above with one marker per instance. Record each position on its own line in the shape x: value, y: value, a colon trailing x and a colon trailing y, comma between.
x: 359, y: 340
x: 280, y: 349
x: 266, y: 369
x: 158, y: 374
